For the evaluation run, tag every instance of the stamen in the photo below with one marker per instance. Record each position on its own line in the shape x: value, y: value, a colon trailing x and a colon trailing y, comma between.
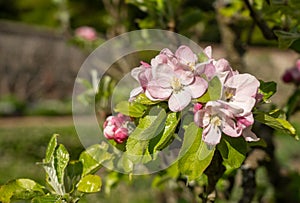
x: 176, y: 85
x: 229, y: 93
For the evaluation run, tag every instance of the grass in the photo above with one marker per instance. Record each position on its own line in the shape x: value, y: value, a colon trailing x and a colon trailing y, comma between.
x: 22, y: 147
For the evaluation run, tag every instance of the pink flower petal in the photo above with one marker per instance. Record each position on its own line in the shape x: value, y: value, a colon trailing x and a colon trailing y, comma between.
x: 157, y: 92
x: 135, y: 92
x: 229, y: 128
x: 208, y: 51
x: 185, y: 55
x: 245, y: 84
x: 178, y: 101
x: 198, y: 88
x: 212, y: 135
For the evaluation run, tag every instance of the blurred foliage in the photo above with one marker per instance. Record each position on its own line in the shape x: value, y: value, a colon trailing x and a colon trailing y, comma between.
x: 195, y: 19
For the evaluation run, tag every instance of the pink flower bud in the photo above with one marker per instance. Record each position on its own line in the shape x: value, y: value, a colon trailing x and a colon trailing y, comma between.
x: 86, y: 32
x: 146, y: 65
x: 287, y: 77
x: 115, y: 127
x: 121, y: 135
x: 109, y: 132
x: 197, y: 107
x: 292, y: 75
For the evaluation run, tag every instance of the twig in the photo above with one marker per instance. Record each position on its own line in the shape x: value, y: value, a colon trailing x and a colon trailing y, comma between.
x: 267, y: 32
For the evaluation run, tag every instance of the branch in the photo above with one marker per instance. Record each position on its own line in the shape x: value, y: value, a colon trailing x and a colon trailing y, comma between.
x: 266, y: 31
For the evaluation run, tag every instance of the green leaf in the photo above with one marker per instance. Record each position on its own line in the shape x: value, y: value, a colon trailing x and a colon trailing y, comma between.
x: 276, y: 122
x: 233, y: 151
x: 132, y: 109
x: 47, y: 199
x: 267, y: 89
x: 93, y: 157
x: 204, y: 98
x: 61, y: 160
x: 73, y: 175
x: 195, y: 154
x: 214, y: 88
x: 51, y: 148
x: 293, y: 103
x: 50, y: 164
x: 151, y: 125
x: 148, y: 127
x: 125, y: 163
x: 170, y: 127
x: 286, y: 39
x: 143, y: 99
x: 20, y: 189
x: 89, y: 184
x: 111, y: 180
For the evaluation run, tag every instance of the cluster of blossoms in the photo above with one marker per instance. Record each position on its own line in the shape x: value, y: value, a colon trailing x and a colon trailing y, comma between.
x: 181, y: 78
x: 292, y: 75
x: 117, y: 128
x: 178, y: 78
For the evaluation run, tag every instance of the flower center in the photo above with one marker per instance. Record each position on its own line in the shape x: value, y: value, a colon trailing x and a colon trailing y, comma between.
x: 176, y: 85
x: 191, y: 66
x: 229, y: 93
x: 216, y: 121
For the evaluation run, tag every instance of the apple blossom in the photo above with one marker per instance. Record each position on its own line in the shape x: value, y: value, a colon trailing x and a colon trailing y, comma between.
x: 176, y: 86
x: 215, y: 118
x: 143, y: 75
x: 240, y: 91
x: 115, y: 127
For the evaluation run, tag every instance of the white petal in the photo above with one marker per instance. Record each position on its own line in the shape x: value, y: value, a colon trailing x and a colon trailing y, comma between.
x: 178, y: 101
x: 212, y: 135
x: 198, y: 88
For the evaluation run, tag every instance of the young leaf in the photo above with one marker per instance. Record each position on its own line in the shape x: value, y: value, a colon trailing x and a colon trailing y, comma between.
x: 233, y: 151
x: 73, y: 174
x: 61, y: 160
x: 204, y: 98
x: 214, y: 88
x: 20, y: 189
x: 93, y: 157
x: 171, y: 124
x: 286, y: 39
x: 125, y: 163
x: 151, y: 125
x: 276, y: 122
x: 143, y: 99
x: 51, y: 148
x: 49, y: 167
x: 148, y: 127
x: 267, y: 89
x: 195, y: 154
x: 132, y: 109
x: 89, y: 184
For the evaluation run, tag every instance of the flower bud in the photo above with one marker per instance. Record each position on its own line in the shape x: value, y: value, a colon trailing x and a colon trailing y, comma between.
x: 115, y: 127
